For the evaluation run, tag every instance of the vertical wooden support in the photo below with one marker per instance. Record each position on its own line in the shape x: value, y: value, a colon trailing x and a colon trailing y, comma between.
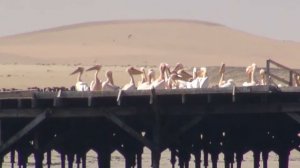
x: 38, y: 156
x: 214, y: 159
x: 256, y: 158
x: 78, y: 160
x: 265, y: 156
x: 173, y: 158
x: 197, y: 155
x: 205, y: 159
x: 12, y: 158
x: 0, y: 132
x: 284, y: 158
x: 1, y: 157
x: 104, y: 157
x: 227, y: 159
x: 84, y: 161
x: 38, y: 153
x: 155, y: 152
x: 291, y: 82
x: 268, y: 72
x: 181, y: 159
x: 70, y: 157
x: 49, y: 158
x: 239, y: 159
x: 1, y: 161
x: 63, y: 160
x: 155, y: 156
x: 139, y: 160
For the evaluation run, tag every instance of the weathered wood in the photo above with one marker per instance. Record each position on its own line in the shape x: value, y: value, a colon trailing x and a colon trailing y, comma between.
x: 34, y: 123
x: 129, y: 130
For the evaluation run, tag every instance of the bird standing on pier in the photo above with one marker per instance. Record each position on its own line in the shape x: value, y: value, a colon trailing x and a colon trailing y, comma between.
x: 223, y: 83
x: 80, y: 85
x: 108, y: 84
x: 131, y: 85
x: 250, y: 70
x: 96, y: 84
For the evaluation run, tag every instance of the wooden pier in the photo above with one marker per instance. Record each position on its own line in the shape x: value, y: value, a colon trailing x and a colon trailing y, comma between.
x: 189, y: 122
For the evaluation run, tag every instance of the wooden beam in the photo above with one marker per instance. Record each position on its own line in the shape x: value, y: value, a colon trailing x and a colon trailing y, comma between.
x: 295, y: 117
x: 19, y: 135
x: 129, y: 130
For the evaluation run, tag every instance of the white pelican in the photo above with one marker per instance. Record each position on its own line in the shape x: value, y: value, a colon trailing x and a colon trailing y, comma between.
x: 263, y: 80
x: 108, y: 85
x: 131, y: 85
x: 250, y: 70
x: 147, y: 85
x: 160, y: 82
x: 80, y: 86
x: 96, y: 84
x: 222, y: 82
x: 297, y: 79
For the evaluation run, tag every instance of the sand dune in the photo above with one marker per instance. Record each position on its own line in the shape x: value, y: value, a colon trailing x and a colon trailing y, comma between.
x: 146, y: 43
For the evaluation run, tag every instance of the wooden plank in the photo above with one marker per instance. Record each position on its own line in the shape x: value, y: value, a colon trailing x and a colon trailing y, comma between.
x: 72, y: 112
x: 74, y: 94
x: 294, y: 116
x: 129, y: 130
x: 19, y: 135
x: 279, y: 79
x: 16, y: 95
x: 233, y: 108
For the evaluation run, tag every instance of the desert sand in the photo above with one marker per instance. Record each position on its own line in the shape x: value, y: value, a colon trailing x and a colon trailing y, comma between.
x: 46, y: 58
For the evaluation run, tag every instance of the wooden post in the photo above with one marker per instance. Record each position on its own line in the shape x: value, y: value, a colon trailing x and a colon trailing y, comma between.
x: 173, y: 158
x: 139, y: 160
x: 38, y: 153
x: 239, y: 159
x: 197, y: 154
x: 265, y: 156
x: 284, y: 158
x: 70, y: 157
x: 214, y: 159
x: 12, y: 158
x: 104, y: 157
x: 205, y: 159
x: 155, y: 152
x: 63, y: 160
x: 256, y: 158
x: 49, y: 158
x: 84, y: 161
x: 268, y: 72
x: 291, y: 82
x: 78, y: 160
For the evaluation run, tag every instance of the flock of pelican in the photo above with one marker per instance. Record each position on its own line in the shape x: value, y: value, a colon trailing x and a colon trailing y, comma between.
x: 169, y: 78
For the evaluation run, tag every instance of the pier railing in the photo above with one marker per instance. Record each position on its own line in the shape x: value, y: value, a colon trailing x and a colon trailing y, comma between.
x: 292, y: 73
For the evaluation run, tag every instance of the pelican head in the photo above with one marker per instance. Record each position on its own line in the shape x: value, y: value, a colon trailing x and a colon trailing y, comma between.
x: 96, y: 67
x: 78, y: 70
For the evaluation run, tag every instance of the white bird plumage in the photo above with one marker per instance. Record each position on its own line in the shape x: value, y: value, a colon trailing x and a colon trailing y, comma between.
x: 80, y: 85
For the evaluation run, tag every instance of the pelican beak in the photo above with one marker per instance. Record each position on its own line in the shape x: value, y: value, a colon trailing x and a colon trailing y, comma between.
x: 79, y: 69
x: 96, y: 67
x: 134, y: 71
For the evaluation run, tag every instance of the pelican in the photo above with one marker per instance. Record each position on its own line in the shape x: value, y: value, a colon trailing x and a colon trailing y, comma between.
x: 96, y: 84
x: 250, y: 70
x: 160, y: 82
x: 263, y: 80
x: 222, y: 82
x: 131, y: 85
x: 147, y: 85
x: 297, y: 80
x: 108, y: 85
x: 80, y: 86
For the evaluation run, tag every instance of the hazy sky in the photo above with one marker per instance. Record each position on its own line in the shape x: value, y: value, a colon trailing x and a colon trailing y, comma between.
x: 279, y: 19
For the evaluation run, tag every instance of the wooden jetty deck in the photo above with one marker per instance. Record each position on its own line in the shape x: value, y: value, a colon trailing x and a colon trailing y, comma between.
x: 232, y: 121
